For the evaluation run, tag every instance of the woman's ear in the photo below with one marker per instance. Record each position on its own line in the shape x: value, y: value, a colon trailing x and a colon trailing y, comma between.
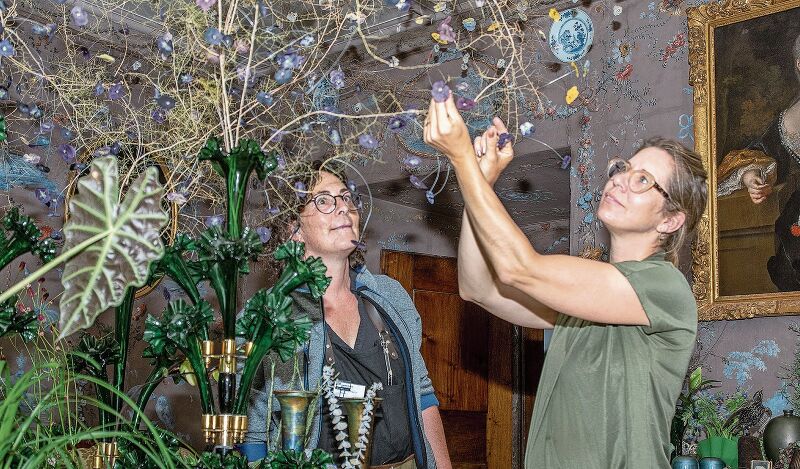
x: 672, y: 223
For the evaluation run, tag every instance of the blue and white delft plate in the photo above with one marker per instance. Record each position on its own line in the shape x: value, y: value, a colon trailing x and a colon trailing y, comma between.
x: 571, y: 36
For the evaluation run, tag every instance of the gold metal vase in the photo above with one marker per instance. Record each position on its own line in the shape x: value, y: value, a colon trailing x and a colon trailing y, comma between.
x: 294, y: 414
x: 354, y: 411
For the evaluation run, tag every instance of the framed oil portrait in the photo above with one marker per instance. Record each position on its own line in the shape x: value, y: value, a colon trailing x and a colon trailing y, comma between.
x: 744, y: 58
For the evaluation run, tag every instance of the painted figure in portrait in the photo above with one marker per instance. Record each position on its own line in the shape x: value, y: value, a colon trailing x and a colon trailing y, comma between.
x: 758, y: 148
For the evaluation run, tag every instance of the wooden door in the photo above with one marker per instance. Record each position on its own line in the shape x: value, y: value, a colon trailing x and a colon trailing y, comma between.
x: 485, y: 370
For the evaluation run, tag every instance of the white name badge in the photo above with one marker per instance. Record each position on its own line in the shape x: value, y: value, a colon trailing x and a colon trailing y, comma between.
x: 345, y: 390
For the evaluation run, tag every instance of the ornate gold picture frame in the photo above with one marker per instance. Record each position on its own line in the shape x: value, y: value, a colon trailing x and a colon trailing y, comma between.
x: 744, y: 59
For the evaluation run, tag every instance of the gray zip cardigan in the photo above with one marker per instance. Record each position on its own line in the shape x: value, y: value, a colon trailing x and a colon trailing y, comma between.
x: 402, y: 319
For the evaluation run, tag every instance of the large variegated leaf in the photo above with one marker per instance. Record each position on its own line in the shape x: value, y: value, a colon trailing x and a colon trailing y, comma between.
x: 127, y: 240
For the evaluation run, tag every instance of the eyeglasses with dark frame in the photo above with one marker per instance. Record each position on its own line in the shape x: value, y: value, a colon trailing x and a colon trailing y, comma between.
x: 639, y: 180
x: 326, y: 203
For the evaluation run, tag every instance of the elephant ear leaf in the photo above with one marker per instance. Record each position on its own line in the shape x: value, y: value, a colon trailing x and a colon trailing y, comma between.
x: 123, y: 240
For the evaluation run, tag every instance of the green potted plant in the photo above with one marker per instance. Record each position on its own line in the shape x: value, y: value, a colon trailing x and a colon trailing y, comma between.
x: 719, y: 416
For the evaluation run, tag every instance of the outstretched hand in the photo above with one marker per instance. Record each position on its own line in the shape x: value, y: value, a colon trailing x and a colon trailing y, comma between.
x: 446, y: 131
x: 493, y: 161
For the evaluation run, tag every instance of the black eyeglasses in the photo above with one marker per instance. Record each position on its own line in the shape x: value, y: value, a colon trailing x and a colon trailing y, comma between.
x: 639, y: 180
x: 326, y: 203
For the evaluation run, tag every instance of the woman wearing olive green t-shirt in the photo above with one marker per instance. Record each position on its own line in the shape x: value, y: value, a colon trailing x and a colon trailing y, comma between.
x: 624, y: 330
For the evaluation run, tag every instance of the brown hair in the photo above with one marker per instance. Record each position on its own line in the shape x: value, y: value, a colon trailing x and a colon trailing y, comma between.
x: 687, y: 188
x: 297, y: 198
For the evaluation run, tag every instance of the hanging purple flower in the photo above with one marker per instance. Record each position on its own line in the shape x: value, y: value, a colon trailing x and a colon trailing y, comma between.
x: 213, y: 36
x: 337, y: 78
x: 205, y: 5
x: 67, y: 134
x: 227, y: 40
x: 396, y: 123
x: 7, y: 49
x: 300, y: 190
x: 243, y: 73
x: 565, y: 161
x: 283, y: 75
x: 272, y: 211
x: 241, y: 46
x: 159, y: 115
x: 177, y: 197
x: 446, y: 32
x: 367, y: 141
x: 505, y: 137
x: 291, y: 60
x: 417, y: 182
x: 440, y: 91
x: 116, y: 91
x: 464, y: 104
x: 67, y: 153
x: 166, y: 102
x: 335, y: 137
x: 115, y: 148
x: 79, y: 17
x: 164, y: 45
x: 214, y: 220
x: 42, y: 195
x: 264, y: 98
x: 412, y: 161
x: 212, y: 57
x: 264, y: 234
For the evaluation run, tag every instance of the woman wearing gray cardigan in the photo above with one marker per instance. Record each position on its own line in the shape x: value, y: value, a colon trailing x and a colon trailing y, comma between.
x: 366, y: 327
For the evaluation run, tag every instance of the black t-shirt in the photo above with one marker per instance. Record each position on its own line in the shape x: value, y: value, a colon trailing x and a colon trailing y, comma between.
x: 365, y: 364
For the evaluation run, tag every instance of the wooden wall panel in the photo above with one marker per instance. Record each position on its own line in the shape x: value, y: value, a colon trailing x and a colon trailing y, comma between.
x: 454, y: 345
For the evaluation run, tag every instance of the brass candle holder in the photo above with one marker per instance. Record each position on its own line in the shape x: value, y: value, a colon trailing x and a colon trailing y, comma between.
x: 106, y: 455
x: 224, y: 429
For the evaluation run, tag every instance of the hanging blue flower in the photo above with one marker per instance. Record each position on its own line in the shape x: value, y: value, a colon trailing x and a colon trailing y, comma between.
x: 526, y: 129
x: 6, y: 48
x: 166, y: 102
x: 213, y: 36
x: 99, y: 89
x: 164, y: 45
x: 367, y: 141
x: 116, y: 91
x: 264, y: 234
x: 79, y: 17
x: 227, y: 40
x: 115, y: 148
x: 300, y: 190
x: 429, y: 196
x: 335, y: 137
x: 264, y: 98
x: 42, y: 195
x: 44, y: 30
x: 185, y: 78
x: 307, y: 41
x: 3, y: 92
x: 283, y: 75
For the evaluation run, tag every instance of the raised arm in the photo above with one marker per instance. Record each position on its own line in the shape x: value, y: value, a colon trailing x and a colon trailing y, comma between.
x: 582, y: 288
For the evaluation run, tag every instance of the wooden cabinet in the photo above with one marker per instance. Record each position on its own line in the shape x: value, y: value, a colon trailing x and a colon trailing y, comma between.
x: 484, y: 369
